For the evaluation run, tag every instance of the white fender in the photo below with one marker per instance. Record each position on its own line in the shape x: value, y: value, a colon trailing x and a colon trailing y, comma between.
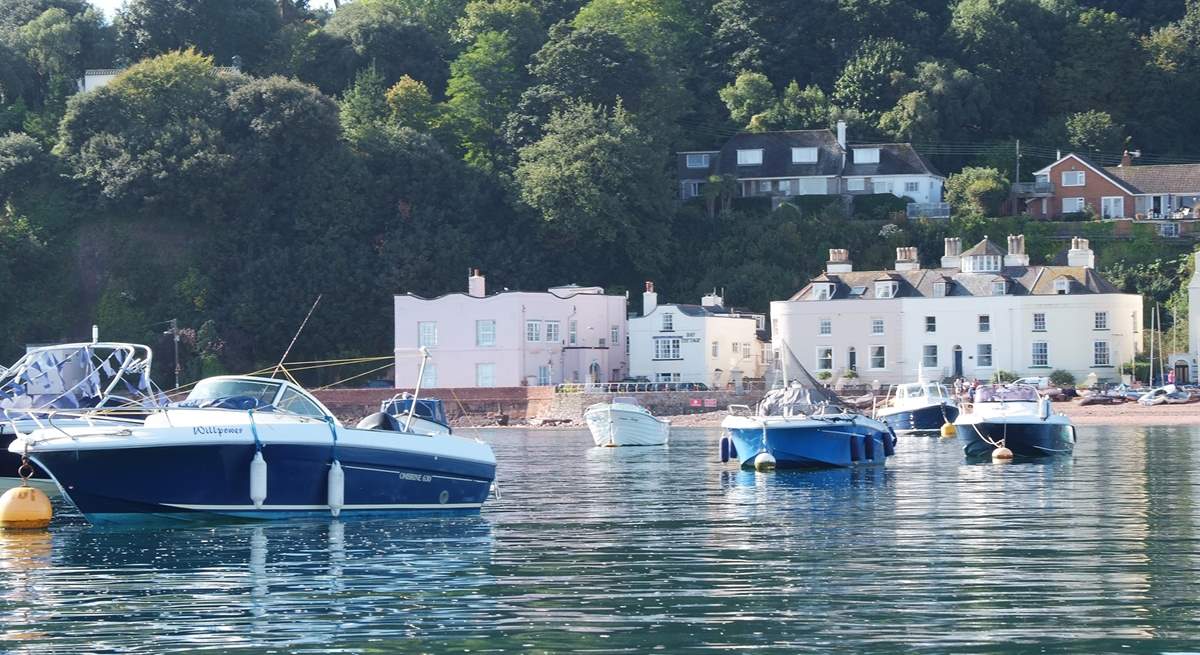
x: 336, y: 494
x: 1044, y: 408
x: 258, y: 480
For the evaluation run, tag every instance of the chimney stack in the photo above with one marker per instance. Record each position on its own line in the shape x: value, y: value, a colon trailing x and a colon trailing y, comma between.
x: 1016, y: 251
x: 1126, y: 159
x: 649, y: 299
x: 1080, y: 254
x: 712, y: 300
x: 841, y: 133
x: 953, y: 256
x: 839, y: 261
x: 476, y: 284
x: 906, y: 259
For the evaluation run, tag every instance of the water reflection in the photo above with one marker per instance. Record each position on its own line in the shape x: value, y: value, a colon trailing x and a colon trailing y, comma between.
x: 629, y: 550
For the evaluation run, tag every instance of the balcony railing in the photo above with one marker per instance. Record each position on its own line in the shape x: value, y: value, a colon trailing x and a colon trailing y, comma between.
x: 1033, y: 188
x: 929, y: 210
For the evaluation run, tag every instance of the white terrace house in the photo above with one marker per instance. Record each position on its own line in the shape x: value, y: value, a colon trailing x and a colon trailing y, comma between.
x: 511, y: 338
x: 813, y: 162
x: 980, y: 311
x: 707, y: 343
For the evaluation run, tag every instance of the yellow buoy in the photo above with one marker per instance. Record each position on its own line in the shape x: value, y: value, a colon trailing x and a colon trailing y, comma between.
x: 1002, y: 454
x: 948, y: 430
x: 25, y: 508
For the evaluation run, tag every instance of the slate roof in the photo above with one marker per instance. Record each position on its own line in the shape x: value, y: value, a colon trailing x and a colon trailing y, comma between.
x: 1022, y: 281
x: 777, y: 154
x: 985, y: 247
x: 1160, y: 178
x: 894, y: 159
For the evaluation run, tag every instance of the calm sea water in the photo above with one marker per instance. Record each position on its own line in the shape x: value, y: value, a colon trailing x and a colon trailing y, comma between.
x: 664, y: 550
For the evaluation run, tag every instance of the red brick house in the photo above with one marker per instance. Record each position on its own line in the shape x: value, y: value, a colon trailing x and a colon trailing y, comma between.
x: 1075, y: 184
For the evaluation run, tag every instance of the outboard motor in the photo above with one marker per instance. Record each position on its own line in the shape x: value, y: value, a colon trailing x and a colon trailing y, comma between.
x: 379, y: 421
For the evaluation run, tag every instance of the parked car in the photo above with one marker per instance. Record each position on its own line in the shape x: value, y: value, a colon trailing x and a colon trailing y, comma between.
x: 1038, y: 381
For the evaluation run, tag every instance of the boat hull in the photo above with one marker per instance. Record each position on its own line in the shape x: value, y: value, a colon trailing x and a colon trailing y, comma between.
x: 1024, y: 438
x: 811, y: 443
x: 930, y: 418
x: 202, y: 481
x: 615, y: 427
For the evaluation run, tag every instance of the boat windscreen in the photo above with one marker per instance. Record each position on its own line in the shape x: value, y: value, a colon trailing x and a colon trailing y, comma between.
x: 263, y: 392
x: 1005, y: 393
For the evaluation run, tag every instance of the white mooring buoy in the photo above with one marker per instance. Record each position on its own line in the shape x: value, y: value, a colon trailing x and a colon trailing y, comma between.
x: 336, y: 494
x: 258, y: 480
x: 764, y: 462
x: 1002, y: 454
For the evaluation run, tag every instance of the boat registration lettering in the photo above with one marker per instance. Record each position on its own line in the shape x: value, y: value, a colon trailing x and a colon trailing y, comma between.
x: 416, y: 477
x: 205, y: 429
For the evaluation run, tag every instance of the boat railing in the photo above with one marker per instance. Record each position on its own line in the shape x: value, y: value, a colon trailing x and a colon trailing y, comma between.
x: 740, y: 410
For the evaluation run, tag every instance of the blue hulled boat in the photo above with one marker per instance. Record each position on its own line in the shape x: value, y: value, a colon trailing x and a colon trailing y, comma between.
x: 790, y: 430
x: 1014, y: 417
x: 918, y: 407
x: 255, y: 448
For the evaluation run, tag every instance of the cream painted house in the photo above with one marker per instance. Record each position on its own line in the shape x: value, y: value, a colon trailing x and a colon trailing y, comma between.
x: 511, y: 338
x: 706, y: 343
x: 981, y: 311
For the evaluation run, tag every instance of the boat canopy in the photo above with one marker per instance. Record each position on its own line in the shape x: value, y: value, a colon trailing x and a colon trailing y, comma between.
x: 931, y: 390
x: 80, y: 375
x: 430, y: 409
x: 996, y: 393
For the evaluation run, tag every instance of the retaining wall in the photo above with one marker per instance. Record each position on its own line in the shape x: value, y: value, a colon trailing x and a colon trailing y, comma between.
x: 524, y: 403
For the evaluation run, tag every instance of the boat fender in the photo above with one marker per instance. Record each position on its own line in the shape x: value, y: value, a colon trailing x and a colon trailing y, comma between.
x: 1002, y: 454
x: 336, y: 494
x: 1044, y: 408
x: 856, y: 448
x: 258, y: 480
x: 889, y: 442
x: 869, y: 448
x: 764, y: 462
x: 724, y: 449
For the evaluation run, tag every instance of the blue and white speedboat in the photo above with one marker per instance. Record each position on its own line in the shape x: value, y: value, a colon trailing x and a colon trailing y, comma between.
x: 1016, y: 417
x: 918, y: 407
x: 789, y: 430
x: 245, y: 447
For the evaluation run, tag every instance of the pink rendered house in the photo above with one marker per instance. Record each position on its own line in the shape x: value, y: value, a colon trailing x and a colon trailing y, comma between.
x: 511, y: 338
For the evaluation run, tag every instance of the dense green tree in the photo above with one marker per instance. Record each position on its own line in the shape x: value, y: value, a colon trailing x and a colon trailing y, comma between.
x: 586, y: 64
x: 389, y: 35
x: 519, y: 19
x: 411, y: 105
x: 748, y: 96
x: 1100, y: 55
x: 485, y: 84
x: 597, y: 182
x: 976, y: 191
x: 222, y: 29
x: 364, y: 107
x: 659, y: 29
x: 868, y: 81
x: 152, y: 133
x: 1094, y: 132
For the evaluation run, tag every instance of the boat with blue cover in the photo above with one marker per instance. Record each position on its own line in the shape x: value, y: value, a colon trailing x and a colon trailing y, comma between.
x: 73, y: 384
x: 1016, y: 417
x: 242, y: 447
x: 421, y: 415
x: 799, y: 427
x: 918, y: 407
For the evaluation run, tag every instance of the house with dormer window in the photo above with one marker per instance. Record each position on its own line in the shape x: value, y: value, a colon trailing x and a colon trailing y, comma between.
x: 982, y: 310
x: 811, y: 162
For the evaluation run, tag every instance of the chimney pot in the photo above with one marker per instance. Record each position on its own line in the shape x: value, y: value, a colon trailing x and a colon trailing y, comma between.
x: 649, y: 299
x: 476, y: 284
x: 841, y: 133
x: 839, y: 261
